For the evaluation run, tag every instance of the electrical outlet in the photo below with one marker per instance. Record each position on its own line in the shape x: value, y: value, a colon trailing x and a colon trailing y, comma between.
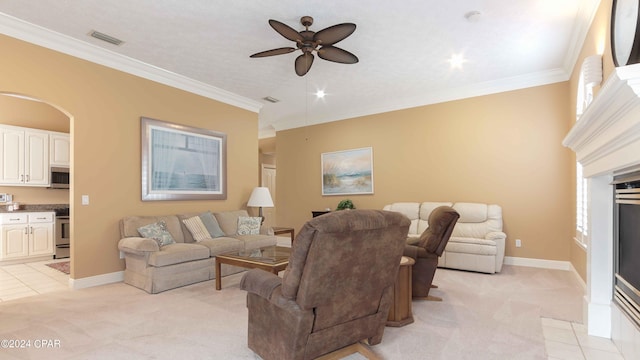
x: 518, y: 243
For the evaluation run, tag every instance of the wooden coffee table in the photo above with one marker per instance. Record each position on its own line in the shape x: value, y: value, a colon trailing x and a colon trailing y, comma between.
x: 270, y: 258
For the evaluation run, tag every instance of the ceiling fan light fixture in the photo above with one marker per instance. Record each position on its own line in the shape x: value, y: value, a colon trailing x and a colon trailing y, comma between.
x: 309, y: 41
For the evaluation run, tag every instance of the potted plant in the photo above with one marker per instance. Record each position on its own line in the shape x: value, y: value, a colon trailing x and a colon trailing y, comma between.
x: 345, y: 205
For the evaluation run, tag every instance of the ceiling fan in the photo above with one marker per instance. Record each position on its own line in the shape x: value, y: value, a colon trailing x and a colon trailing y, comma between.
x: 308, y: 42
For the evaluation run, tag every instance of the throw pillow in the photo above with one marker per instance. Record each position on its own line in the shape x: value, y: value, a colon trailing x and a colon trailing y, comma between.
x: 158, y: 232
x: 196, y: 228
x: 211, y: 224
x: 248, y: 225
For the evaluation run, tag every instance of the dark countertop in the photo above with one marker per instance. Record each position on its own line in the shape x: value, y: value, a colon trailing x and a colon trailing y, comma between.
x: 33, y: 208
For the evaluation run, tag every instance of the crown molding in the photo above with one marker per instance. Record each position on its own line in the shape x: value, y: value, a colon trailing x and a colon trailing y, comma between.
x: 37, y: 35
x: 586, y: 13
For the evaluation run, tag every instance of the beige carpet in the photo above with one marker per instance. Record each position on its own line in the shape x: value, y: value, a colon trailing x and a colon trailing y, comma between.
x: 481, y: 317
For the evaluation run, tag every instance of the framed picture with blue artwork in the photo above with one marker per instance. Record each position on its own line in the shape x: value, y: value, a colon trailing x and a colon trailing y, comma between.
x: 348, y: 172
x: 180, y: 162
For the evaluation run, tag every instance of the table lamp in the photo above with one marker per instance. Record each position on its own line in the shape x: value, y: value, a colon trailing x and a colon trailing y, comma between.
x: 260, y: 197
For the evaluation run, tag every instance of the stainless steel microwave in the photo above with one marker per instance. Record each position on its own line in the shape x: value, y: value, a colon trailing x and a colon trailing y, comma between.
x: 59, y: 178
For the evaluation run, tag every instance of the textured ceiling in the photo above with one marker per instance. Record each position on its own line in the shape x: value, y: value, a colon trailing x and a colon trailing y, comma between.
x: 403, y: 47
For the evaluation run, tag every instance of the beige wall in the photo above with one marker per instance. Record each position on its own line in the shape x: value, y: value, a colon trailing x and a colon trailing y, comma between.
x: 32, y: 114
x: 105, y: 107
x: 36, y: 115
x: 504, y: 149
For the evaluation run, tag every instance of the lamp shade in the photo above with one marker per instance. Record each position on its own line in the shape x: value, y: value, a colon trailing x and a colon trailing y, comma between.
x: 260, y: 197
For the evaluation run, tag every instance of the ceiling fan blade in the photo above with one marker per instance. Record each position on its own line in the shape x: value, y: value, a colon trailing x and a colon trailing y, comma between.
x: 278, y: 51
x: 303, y: 63
x: 285, y: 30
x: 335, y: 33
x: 336, y: 54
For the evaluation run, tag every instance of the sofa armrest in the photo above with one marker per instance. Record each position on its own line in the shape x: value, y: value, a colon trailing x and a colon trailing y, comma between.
x: 500, y: 238
x: 495, y: 235
x: 138, y: 245
x: 260, y: 282
x: 266, y: 230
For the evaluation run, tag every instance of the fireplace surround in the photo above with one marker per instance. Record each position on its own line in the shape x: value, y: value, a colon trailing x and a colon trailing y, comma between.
x: 626, y: 246
x: 606, y: 141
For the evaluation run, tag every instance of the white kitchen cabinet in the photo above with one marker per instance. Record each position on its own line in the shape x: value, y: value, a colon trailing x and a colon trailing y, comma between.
x: 24, y: 156
x: 59, y: 149
x: 26, y: 235
x: 15, y: 242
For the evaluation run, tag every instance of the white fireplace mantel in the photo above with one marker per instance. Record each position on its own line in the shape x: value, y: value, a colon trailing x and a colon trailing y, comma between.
x: 606, y: 140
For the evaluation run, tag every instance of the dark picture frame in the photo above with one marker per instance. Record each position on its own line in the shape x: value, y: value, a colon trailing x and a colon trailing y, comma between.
x: 181, y: 162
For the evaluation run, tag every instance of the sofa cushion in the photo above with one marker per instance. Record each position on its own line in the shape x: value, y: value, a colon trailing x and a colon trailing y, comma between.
x: 470, y: 223
x: 471, y: 212
x: 158, y: 232
x: 178, y: 253
x: 408, y: 209
x: 222, y: 245
x: 197, y: 229
x: 256, y: 241
x: 471, y: 246
x: 228, y: 220
x: 130, y: 224
x: 248, y: 225
x: 211, y: 224
x: 425, y: 210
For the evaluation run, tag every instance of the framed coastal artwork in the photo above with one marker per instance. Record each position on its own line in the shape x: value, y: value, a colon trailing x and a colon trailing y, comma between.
x: 348, y: 172
x: 180, y: 162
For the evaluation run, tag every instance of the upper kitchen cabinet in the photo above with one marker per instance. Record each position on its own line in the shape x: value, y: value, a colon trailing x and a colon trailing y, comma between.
x: 59, y: 149
x: 24, y: 156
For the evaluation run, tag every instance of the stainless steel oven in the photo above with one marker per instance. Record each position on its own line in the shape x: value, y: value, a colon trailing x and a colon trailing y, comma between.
x: 63, y: 231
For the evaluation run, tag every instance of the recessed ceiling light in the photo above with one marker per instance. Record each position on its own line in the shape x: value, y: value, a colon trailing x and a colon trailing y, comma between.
x: 456, y: 61
x: 320, y: 94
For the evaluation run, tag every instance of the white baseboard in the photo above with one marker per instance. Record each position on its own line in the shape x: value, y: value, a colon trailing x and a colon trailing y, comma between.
x: 97, y: 280
x: 580, y: 280
x: 538, y: 263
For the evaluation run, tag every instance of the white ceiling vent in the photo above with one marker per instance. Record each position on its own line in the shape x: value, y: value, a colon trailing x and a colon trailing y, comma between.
x: 270, y: 99
x: 104, y: 37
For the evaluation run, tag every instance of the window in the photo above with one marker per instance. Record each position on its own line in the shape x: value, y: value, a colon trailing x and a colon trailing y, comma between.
x: 582, y: 207
x: 590, y: 76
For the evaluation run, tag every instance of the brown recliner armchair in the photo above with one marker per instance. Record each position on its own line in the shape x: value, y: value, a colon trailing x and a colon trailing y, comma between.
x: 336, y: 291
x: 428, y: 249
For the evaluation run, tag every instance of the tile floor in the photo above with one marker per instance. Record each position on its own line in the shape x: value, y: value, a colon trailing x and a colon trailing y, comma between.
x: 569, y: 341
x: 564, y: 340
x: 22, y: 280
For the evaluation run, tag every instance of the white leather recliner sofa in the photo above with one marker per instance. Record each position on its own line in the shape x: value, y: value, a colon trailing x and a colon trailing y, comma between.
x: 477, y: 242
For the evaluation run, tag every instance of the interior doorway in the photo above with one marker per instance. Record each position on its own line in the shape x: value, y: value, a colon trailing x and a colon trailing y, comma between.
x: 29, y: 112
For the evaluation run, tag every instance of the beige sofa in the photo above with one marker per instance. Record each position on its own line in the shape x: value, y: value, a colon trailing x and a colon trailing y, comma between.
x: 155, y: 268
x: 477, y: 242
